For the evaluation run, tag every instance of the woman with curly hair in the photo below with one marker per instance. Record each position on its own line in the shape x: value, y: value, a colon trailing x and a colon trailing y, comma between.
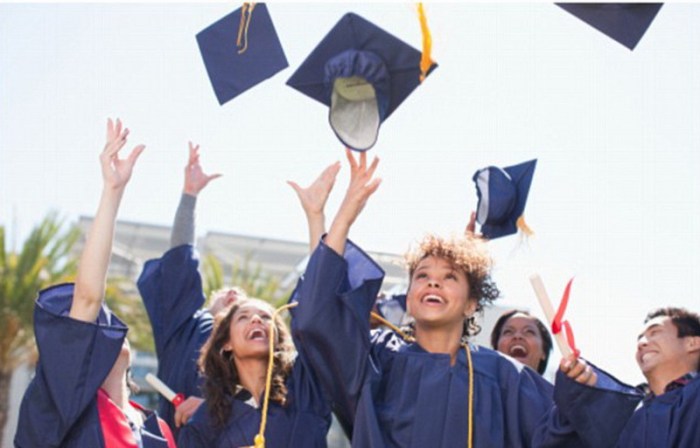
x: 431, y: 388
x: 234, y: 363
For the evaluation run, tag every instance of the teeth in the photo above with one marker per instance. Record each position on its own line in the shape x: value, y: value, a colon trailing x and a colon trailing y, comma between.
x: 257, y: 334
x: 433, y: 298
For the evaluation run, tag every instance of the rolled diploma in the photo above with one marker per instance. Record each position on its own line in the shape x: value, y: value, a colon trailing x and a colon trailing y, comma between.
x: 549, y: 313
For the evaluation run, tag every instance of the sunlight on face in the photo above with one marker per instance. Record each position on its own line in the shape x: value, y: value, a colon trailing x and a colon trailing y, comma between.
x: 439, y: 294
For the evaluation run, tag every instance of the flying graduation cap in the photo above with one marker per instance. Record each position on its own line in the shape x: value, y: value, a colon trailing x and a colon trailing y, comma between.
x: 502, y: 196
x: 624, y: 22
x: 363, y: 74
x: 241, y: 50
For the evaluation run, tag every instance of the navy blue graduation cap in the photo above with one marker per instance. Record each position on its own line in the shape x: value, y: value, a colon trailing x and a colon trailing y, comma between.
x: 624, y: 22
x: 363, y: 74
x: 502, y: 196
x: 241, y: 50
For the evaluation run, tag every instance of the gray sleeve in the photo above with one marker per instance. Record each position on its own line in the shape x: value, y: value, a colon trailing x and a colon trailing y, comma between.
x: 183, y: 227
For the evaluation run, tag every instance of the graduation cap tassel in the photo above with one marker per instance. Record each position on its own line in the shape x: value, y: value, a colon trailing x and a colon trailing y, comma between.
x: 425, y: 60
x: 470, y: 367
x: 246, y: 14
x: 259, y: 441
x: 522, y: 225
x: 470, y: 432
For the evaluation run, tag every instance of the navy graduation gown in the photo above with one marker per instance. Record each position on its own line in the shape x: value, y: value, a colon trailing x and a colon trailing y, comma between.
x: 668, y: 420
x: 171, y: 288
x: 60, y: 406
x: 395, y: 394
x: 303, y: 422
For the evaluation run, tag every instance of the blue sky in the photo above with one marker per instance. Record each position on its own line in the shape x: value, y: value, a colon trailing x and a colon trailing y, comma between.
x: 615, y: 200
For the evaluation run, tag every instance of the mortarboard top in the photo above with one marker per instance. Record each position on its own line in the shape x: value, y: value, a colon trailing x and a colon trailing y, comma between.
x: 502, y: 196
x: 241, y: 50
x: 363, y: 74
x: 624, y: 22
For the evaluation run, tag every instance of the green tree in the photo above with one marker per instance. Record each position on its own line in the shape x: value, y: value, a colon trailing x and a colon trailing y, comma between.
x: 124, y: 300
x: 45, y: 258
x: 252, y: 279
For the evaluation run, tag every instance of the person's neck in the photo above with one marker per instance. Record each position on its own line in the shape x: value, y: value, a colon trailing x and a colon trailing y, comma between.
x: 252, y: 373
x: 660, y: 377
x: 440, y: 339
x: 116, y: 388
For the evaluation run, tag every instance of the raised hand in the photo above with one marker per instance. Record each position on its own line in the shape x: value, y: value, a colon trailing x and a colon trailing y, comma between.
x: 313, y: 198
x: 116, y: 172
x: 362, y: 186
x: 91, y: 278
x: 195, y: 179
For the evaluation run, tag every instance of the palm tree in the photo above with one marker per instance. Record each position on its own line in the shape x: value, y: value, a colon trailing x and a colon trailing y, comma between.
x: 124, y: 300
x: 252, y: 279
x: 45, y: 258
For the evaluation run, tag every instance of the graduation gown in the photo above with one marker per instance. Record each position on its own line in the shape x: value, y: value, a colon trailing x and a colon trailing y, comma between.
x: 64, y: 405
x: 171, y: 289
x: 668, y: 420
x: 303, y: 422
x: 391, y: 393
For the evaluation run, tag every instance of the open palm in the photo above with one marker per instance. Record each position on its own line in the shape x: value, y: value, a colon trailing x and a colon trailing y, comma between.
x: 116, y: 172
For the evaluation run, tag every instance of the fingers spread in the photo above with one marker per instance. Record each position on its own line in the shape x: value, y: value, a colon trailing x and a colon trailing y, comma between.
x: 135, y: 153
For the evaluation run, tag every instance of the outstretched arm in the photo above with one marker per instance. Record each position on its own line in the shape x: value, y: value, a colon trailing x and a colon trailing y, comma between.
x: 92, y: 268
x: 195, y: 181
x: 362, y: 186
x: 313, y: 200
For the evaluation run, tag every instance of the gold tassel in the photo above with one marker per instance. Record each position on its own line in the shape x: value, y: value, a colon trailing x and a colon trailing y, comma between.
x: 523, y: 227
x: 425, y: 60
x: 470, y: 369
x: 246, y: 14
x: 259, y: 441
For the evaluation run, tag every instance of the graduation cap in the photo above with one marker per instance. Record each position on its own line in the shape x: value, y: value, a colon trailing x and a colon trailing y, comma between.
x: 241, y: 50
x: 363, y: 74
x: 624, y: 22
x: 502, y: 196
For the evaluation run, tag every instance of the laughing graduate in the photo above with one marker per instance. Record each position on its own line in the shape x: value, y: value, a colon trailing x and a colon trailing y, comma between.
x: 171, y: 289
x: 79, y: 396
x: 432, y: 387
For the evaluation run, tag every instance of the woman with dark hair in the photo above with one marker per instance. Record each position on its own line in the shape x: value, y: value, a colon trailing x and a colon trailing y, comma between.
x: 234, y: 363
x: 523, y: 337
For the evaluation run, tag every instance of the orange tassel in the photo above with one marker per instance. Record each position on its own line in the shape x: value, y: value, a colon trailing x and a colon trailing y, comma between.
x: 425, y: 61
x: 522, y: 225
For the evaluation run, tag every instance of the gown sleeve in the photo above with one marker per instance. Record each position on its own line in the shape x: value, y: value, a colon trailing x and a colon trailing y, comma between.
x: 331, y: 323
x: 588, y: 415
x: 171, y: 289
x: 75, y: 357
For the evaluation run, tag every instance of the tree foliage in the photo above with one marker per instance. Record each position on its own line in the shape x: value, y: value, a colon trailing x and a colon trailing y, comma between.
x: 45, y: 258
x: 243, y: 274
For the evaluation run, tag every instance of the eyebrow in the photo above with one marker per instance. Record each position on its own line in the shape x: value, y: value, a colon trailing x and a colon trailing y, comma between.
x: 650, y: 327
x: 525, y: 327
x: 443, y: 268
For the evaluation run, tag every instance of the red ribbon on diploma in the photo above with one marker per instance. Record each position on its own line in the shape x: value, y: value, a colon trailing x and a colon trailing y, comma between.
x: 558, y: 324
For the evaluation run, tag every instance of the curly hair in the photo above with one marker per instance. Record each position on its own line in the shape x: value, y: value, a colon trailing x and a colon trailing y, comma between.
x: 221, y: 379
x: 468, y: 254
x: 547, y: 343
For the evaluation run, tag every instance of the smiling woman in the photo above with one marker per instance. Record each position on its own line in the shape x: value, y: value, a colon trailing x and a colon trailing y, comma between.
x: 523, y: 337
x: 234, y: 362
